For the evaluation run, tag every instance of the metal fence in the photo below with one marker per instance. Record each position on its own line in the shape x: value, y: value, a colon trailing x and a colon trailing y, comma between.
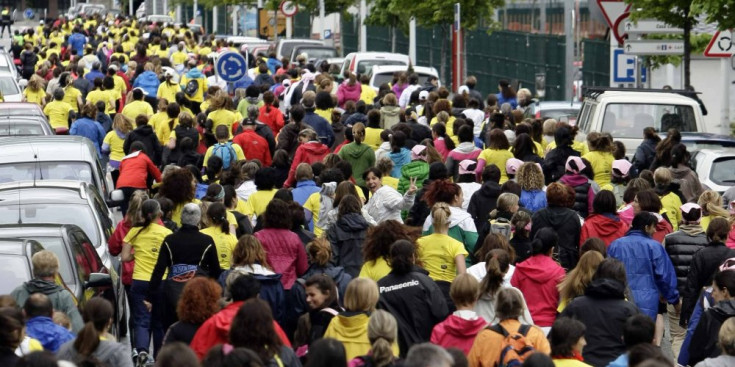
x: 596, y: 66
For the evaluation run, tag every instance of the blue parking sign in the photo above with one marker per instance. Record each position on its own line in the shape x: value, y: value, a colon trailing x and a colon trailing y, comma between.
x: 623, y: 68
x: 231, y: 66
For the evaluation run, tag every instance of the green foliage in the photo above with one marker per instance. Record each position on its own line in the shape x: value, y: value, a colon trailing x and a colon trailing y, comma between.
x: 719, y: 11
x: 429, y: 13
x: 674, y: 12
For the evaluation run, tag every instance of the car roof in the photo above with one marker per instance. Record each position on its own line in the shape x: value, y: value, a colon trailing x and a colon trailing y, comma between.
x: 560, y: 104
x: 719, y: 152
x: 43, y: 192
x: 393, y: 68
x: 644, y: 97
x: 378, y: 54
x: 33, y: 230
x: 25, y: 106
x: 704, y: 137
x: 47, y: 148
x: 300, y: 40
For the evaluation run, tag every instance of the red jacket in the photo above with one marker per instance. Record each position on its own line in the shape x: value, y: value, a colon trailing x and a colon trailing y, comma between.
x: 457, y: 332
x: 273, y: 117
x: 134, y: 169
x: 603, y: 227
x: 537, y: 278
x: 663, y: 227
x: 285, y: 252
x: 216, y: 330
x: 114, y: 245
x: 253, y: 146
x: 309, y: 152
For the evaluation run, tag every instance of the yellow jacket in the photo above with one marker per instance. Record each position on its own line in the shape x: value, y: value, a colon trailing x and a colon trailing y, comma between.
x: 352, y: 332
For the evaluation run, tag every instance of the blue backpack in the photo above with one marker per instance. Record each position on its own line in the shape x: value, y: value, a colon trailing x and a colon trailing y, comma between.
x: 226, y: 152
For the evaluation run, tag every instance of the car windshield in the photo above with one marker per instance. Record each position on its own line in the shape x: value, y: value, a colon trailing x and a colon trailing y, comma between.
x: 628, y: 120
x: 318, y: 53
x: 10, y: 128
x: 80, y: 215
x: 367, y: 65
x: 75, y: 171
x: 13, y: 273
x: 723, y: 171
x: 559, y: 114
x: 287, y: 47
x: 388, y: 78
x: 8, y: 86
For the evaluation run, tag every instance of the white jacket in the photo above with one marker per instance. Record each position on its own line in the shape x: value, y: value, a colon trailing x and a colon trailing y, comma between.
x: 387, y: 203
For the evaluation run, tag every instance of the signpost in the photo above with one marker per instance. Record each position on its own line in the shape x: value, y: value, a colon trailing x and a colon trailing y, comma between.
x: 623, y: 68
x: 289, y: 9
x: 614, y: 11
x: 650, y: 26
x: 654, y: 47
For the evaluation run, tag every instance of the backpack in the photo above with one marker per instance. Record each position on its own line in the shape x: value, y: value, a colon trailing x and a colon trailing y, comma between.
x: 514, y: 348
x: 192, y: 87
x: 226, y: 152
x: 502, y: 226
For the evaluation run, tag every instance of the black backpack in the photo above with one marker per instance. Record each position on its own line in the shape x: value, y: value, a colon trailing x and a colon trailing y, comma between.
x: 192, y: 87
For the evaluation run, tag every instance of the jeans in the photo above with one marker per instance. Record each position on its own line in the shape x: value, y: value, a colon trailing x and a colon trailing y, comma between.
x: 146, y: 323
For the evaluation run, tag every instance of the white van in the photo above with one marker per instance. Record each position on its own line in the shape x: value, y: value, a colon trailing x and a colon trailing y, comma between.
x: 362, y: 62
x: 286, y: 46
x: 380, y: 74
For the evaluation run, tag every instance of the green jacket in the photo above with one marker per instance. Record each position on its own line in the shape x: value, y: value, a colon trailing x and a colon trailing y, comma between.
x: 360, y: 156
x: 418, y: 169
x: 60, y: 298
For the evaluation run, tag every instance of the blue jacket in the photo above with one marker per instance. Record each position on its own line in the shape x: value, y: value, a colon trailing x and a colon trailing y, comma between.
x: 51, y: 336
x: 94, y: 74
x: 621, y: 361
x: 649, y: 270
x: 513, y: 101
x: 303, y: 190
x: 699, y: 309
x: 533, y: 200
x: 399, y: 159
x: 322, y: 127
x: 91, y: 130
x: 147, y: 80
x: 273, y: 64
x: 77, y: 42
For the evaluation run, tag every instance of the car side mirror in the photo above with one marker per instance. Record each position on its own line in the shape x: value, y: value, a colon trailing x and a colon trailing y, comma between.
x: 116, y: 198
x: 23, y: 83
x: 98, y: 280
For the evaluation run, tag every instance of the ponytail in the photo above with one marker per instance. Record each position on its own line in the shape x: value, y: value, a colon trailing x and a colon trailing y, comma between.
x: 171, y: 124
x: 150, y: 210
x: 497, y: 265
x: 217, y: 213
x: 382, y: 352
x: 382, y: 333
x: 87, y: 340
x: 441, y: 131
x: 440, y: 214
x: 97, y: 314
x: 319, y: 251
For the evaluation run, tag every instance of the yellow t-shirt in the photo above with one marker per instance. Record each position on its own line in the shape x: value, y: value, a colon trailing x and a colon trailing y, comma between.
x: 222, y: 117
x: 58, y: 113
x: 497, y: 157
x: 602, y: 167
x: 313, y: 204
x: 258, y: 201
x: 116, y: 145
x: 157, y: 119
x: 238, y: 153
x: 179, y: 57
x: 225, y: 243
x: 70, y: 96
x: 372, y: 137
x: 101, y: 95
x: 375, y: 270
x: 437, y: 253
x: 163, y: 132
x: 135, y: 108
x: 579, y: 146
x: 168, y: 91
x: 34, y: 97
x: 199, y: 95
x: 176, y: 213
x: 390, y: 181
x: 367, y: 94
x: 147, y: 244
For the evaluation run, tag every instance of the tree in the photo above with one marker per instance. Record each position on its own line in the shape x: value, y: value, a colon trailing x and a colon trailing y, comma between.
x: 678, y: 13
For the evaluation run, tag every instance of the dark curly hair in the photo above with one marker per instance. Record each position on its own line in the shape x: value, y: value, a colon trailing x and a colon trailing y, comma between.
x: 198, y: 300
x: 177, y: 186
x: 252, y: 328
x: 277, y: 215
x: 379, y: 238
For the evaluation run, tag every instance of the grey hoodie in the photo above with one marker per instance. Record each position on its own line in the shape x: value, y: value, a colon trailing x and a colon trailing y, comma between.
x: 111, y: 353
x: 61, y: 299
x: 721, y: 361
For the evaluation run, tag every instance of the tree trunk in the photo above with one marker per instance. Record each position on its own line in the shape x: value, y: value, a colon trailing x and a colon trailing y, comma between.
x: 687, y: 49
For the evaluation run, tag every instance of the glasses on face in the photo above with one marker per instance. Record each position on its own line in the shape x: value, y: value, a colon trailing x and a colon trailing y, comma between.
x: 728, y: 264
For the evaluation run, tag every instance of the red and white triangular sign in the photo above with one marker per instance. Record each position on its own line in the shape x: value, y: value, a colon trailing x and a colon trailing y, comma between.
x: 612, y: 10
x: 720, y: 45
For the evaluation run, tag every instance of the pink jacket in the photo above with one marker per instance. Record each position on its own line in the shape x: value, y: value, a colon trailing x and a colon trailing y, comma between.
x: 731, y: 239
x: 457, y: 332
x: 441, y: 147
x: 347, y: 92
x: 537, y: 278
x: 285, y: 253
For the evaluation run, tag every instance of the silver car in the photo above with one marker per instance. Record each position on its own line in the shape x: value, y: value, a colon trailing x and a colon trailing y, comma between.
x: 715, y: 168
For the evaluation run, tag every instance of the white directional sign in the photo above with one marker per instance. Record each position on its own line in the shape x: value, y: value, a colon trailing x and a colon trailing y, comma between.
x: 654, y: 47
x: 650, y: 26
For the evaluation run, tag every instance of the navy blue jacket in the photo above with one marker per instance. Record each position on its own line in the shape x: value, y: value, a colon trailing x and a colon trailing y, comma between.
x: 322, y: 127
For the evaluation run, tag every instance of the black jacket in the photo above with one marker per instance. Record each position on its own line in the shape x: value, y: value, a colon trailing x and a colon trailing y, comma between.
x: 298, y: 293
x: 28, y: 60
x: 565, y: 223
x: 267, y: 134
x: 181, y: 331
x: 288, y: 138
x: 555, y: 162
x: 603, y: 310
x: 417, y: 304
x: 8, y: 357
x: 419, y: 210
x: 181, y: 133
x: 701, y: 272
x: 346, y: 237
x: 645, y: 154
x: 418, y: 132
x: 522, y: 246
x: 147, y: 136
x: 704, y: 340
x: 681, y: 247
x: 483, y: 201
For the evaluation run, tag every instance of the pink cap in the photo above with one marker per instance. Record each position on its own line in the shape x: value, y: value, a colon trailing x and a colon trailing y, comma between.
x: 417, y: 152
x: 512, y: 165
x: 575, y: 164
x: 621, y: 167
x: 467, y: 166
x: 686, y: 208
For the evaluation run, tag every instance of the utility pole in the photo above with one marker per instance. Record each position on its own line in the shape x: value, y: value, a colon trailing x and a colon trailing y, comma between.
x: 568, y: 49
x: 363, y: 27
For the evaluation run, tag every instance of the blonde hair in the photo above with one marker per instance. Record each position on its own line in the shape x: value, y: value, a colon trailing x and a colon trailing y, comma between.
x: 662, y: 176
x: 506, y: 200
x: 319, y: 251
x: 726, y: 337
x: 711, y: 203
x: 382, y: 333
x: 249, y: 251
x: 36, y: 83
x: 530, y: 177
x: 361, y: 295
x: 133, y: 214
x: 390, y: 100
x: 45, y: 264
x: 579, y: 278
x: 440, y: 213
x: 385, y: 165
x: 442, y: 117
x: 464, y: 290
x: 122, y: 124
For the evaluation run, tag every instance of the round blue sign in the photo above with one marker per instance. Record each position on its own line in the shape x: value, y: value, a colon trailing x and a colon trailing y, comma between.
x: 231, y: 66
x: 28, y: 13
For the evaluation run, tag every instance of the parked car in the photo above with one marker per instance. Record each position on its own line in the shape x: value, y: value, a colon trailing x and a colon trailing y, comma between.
x: 58, y: 157
x: 624, y: 113
x: 24, y: 126
x: 715, y: 168
x: 7, y: 65
x: 21, y: 109
x: 83, y: 9
x: 563, y: 111
x: 698, y: 141
x: 59, y: 202
x: 15, y: 255
x: 380, y: 74
x: 285, y: 46
x: 81, y: 270
x: 158, y: 18
x: 313, y: 52
x: 362, y: 62
x: 10, y: 88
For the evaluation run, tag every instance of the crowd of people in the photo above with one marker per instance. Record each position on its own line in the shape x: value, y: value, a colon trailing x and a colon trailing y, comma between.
x: 291, y: 218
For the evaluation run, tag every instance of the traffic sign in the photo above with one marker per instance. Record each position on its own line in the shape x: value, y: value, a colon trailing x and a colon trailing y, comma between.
x: 231, y: 66
x: 28, y: 13
x: 623, y: 68
x: 288, y: 8
x: 650, y: 26
x: 654, y: 47
x: 327, y: 34
x: 614, y: 12
x: 720, y: 45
